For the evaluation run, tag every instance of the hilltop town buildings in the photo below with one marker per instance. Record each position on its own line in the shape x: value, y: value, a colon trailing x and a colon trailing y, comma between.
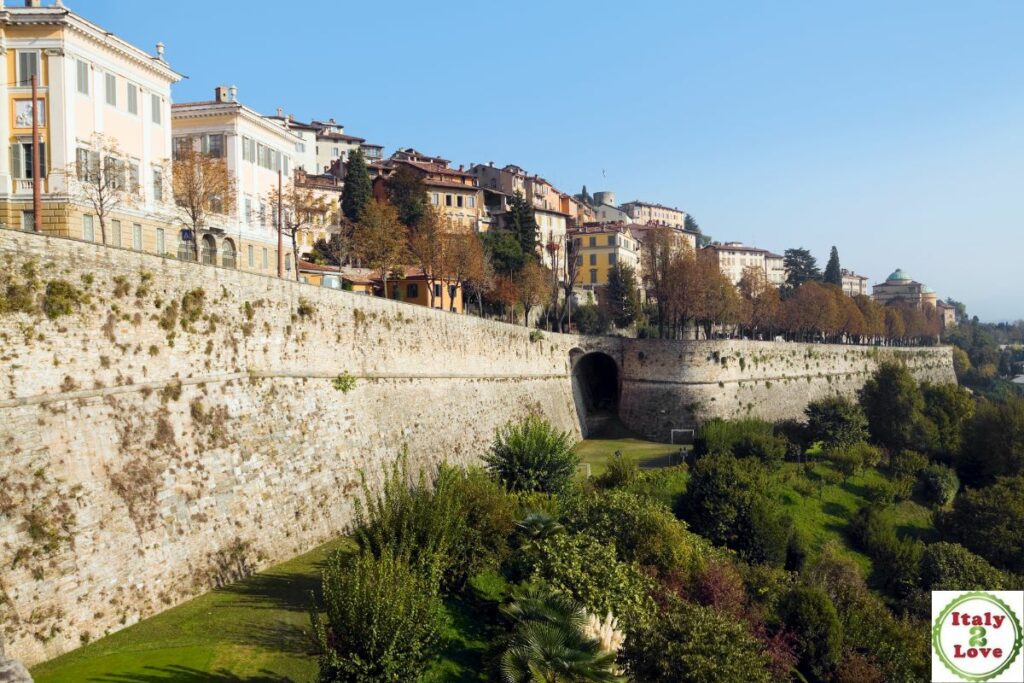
x: 104, y: 106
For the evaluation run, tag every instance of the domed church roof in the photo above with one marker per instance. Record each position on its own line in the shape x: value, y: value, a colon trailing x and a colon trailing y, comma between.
x: 897, y: 276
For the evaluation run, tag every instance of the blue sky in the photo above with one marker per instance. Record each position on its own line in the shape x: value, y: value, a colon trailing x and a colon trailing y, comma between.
x: 894, y: 131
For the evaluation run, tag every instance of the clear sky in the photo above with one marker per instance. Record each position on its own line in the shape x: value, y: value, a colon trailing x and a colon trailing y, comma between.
x: 893, y: 130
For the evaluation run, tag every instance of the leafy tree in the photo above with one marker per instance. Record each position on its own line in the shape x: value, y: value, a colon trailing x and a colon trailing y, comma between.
x: 531, y: 455
x: 623, y: 297
x: 522, y: 223
x: 202, y: 187
x: 836, y: 420
x: 690, y: 223
x: 952, y: 567
x: 893, y: 404
x: 993, y: 442
x: 379, y: 239
x: 408, y: 195
x: 833, y: 273
x: 591, y: 319
x: 504, y: 250
x: 800, y: 266
x: 696, y: 644
x: 547, y: 642
x: 990, y: 522
x: 939, y: 484
x: 948, y: 407
x: 809, y: 613
x: 851, y: 458
x: 358, y: 190
x: 382, y: 619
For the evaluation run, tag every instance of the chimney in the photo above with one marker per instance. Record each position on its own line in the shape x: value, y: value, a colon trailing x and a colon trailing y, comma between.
x: 220, y: 94
x: 33, y: 3
x: 280, y: 112
x: 460, y: 167
x: 160, y: 51
x: 491, y: 164
x: 233, y: 93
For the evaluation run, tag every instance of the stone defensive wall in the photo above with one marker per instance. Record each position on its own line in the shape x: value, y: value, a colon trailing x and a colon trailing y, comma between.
x: 185, y: 425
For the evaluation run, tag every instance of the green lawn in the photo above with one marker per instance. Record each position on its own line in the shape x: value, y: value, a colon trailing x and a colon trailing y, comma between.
x: 253, y: 631
x: 646, y: 454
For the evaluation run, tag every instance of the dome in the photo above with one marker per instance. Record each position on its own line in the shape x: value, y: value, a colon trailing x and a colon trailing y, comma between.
x: 897, y: 276
x: 927, y: 290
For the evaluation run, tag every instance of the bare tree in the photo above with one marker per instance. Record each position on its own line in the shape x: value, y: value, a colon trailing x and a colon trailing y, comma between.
x: 303, y: 211
x: 102, y: 179
x: 572, y: 265
x: 203, y: 187
x: 379, y: 239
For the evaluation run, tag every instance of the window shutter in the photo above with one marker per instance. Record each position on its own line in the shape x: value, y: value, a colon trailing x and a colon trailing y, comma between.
x: 16, y: 167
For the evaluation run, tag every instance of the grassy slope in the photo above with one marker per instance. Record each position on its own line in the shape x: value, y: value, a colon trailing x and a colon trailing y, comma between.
x: 646, y: 454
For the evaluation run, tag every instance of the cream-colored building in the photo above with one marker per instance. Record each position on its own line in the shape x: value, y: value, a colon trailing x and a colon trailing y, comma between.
x: 90, y: 83
x: 854, y: 284
x: 646, y: 212
x: 734, y: 257
x: 899, y: 288
x: 550, y: 206
x: 256, y: 149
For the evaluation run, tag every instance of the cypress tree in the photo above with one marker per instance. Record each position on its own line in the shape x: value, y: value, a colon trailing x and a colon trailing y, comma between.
x: 523, y: 224
x: 358, y: 190
x: 833, y: 275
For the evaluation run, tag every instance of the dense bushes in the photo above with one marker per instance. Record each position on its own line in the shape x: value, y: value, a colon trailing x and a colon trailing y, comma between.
x: 852, y: 458
x: 698, y: 645
x: 989, y: 522
x: 531, y: 455
x: 939, y: 484
x: 993, y: 443
x: 949, y: 566
x: 382, y: 617
x: 809, y: 613
x: 836, y: 421
x: 719, y: 437
x: 893, y: 404
x: 897, y: 560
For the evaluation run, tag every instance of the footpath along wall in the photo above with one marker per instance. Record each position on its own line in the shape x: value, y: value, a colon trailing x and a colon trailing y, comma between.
x: 183, y: 425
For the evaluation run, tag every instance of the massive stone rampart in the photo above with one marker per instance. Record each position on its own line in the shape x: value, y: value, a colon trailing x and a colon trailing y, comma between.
x: 186, y: 424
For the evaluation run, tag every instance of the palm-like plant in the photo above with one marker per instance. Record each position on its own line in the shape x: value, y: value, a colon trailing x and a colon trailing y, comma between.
x: 548, y: 645
x: 536, y: 527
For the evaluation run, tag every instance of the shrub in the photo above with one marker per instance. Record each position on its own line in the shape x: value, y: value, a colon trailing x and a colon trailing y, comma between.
x: 589, y: 571
x: 696, y: 644
x: 719, y: 437
x: 939, y: 484
x: 61, y: 298
x: 532, y: 455
x: 768, y: 448
x: 591, y: 319
x: 305, y: 309
x: 893, y: 404
x: 811, y: 616
x: 344, y: 382
x: 536, y: 335
x: 897, y: 561
x: 990, y: 522
x: 948, y: 407
x: 382, y: 619
x: 852, y: 458
x: 907, y: 463
x: 619, y: 473
x: 952, y: 567
x: 641, y: 529
x: 836, y: 421
x: 993, y: 443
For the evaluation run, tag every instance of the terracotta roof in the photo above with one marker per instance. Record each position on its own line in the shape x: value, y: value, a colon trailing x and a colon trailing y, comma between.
x: 317, y: 267
x: 340, y: 136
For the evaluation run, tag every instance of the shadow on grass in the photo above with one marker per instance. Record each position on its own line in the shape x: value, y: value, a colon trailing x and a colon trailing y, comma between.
x: 858, y: 490
x: 185, y: 674
x: 836, y: 510
x: 279, y: 636
x: 276, y: 591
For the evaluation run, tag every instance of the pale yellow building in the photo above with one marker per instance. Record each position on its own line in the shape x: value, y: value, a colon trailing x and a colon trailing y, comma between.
x: 735, y: 257
x: 255, y: 149
x: 658, y: 214
x: 599, y: 248
x: 90, y: 83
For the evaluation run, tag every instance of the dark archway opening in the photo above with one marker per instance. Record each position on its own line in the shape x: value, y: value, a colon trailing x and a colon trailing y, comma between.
x: 596, y: 385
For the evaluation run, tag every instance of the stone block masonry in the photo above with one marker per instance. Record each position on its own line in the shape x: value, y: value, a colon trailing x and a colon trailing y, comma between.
x: 183, y: 427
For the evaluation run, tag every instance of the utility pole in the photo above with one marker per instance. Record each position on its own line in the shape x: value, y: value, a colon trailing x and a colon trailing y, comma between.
x: 37, y: 200
x: 280, y: 240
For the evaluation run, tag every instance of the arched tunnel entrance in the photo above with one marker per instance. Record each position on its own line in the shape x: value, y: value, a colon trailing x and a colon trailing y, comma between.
x: 596, y: 387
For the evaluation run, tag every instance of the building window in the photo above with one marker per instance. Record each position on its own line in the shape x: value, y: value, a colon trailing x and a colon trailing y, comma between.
x: 28, y: 66
x: 160, y: 241
x: 335, y: 153
x: 158, y: 185
x: 83, y: 77
x: 435, y: 199
x: 111, y: 81
x: 471, y: 202
x: 287, y: 261
x: 611, y: 240
x: 265, y: 261
x: 593, y: 241
x: 157, y: 107
x: 113, y: 169
x: 593, y: 259
x: 447, y: 200
x: 458, y: 201
x: 437, y: 291
x: 134, y: 183
x: 115, y: 233
x: 248, y: 211
x: 214, y: 145
x: 300, y: 147
x: 133, y: 99
x: 252, y: 256
x: 88, y: 233
x: 136, y: 237
x: 28, y: 220
x: 181, y: 146
x: 593, y: 277
x: 21, y: 160
x: 611, y: 259
x: 412, y: 291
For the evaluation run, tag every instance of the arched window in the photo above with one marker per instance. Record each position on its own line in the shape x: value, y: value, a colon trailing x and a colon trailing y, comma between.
x: 209, y: 250
x: 228, y: 254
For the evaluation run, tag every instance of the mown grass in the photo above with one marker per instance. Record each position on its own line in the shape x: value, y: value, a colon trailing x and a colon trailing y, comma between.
x: 646, y: 454
x: 253, y: 631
